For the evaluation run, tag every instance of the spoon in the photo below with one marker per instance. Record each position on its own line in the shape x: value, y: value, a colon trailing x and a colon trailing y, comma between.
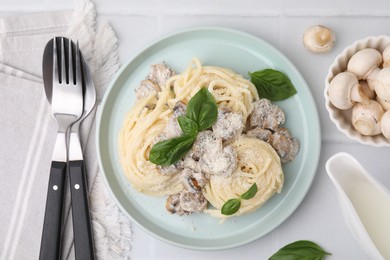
x: 79, y: 193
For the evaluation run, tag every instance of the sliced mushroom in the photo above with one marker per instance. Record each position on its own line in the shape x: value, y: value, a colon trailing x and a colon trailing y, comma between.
x: 365, y: 65
x: 193, y: 181
x: 145, y: 89
x: 385, y: 124
x: 229, y: 125
x: 172, y: 129
x: 160, y: 73
x: 318, y: 39
x: 260, y: 133
x: 206, y: 142
x: 366, y: 118
x: 344, y: 90
x: 284, y: 144
x: 266, y: 115
x: 222, y: 163
x: 173, y: 205
x: 192, y: 201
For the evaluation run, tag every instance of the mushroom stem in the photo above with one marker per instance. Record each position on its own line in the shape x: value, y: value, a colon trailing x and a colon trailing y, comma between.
x: 358, y: 95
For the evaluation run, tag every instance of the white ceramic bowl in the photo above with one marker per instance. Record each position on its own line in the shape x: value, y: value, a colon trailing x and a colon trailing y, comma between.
x: 342, y: 118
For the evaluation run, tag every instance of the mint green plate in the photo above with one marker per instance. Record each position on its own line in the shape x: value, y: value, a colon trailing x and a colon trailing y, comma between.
x: 242, y: 53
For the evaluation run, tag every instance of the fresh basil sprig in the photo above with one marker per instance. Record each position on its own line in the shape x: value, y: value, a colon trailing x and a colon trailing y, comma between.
x: 233, y: 205
x: 272, y: 84
x: 302, y: 249
x: 201, y: 113
x: 202, y: 109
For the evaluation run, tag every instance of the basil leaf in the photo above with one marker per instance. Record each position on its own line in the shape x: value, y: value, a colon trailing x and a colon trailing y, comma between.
x: 302, y: 249
x: 187, y: 125
x: 202, y: 109
x: 170, y: 151
x: 250, y: 193
x: 231, y: 206
x: 272, y: 84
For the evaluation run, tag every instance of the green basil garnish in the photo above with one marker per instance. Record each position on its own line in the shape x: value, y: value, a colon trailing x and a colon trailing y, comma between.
x: 272, y: 84
x: 202, y: 109
x: 188, y: 126
x: 201, y: 113
x: 250, y: 193
x: 302, y: 249
x: 170, y: 151
x: 233, y: 205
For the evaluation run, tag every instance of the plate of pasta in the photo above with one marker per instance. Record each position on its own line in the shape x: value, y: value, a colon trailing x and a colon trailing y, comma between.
x: 192, y: 150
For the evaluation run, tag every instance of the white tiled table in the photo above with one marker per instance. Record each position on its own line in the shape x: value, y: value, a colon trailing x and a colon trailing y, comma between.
x: 282, y: 24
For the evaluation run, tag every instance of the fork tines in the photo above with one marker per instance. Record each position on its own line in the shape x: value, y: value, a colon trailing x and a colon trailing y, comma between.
x: 66, y: 72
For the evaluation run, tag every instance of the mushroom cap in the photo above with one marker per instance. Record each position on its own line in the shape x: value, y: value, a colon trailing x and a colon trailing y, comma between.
x: 385, y: 124
x: 385, y: 104
x: 340, y: 88
x: 386, y: 56
x: 382, y: 84
x: 364, y: 62
x: 366, y: 118
x: 318, y: 38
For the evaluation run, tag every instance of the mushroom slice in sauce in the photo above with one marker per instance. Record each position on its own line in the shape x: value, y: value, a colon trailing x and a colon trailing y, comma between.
x: 193, y: 181
x: 173, y: 205
x: 160, y: 73
x: 192, y: 201
x: 172, y: 128
x: 216, y: 162
x: 145, y: 89
x: 266, y: 115
x: 228, y: 125
x: 260, y: 133
x: 284, y: 144
x: 206, y: 141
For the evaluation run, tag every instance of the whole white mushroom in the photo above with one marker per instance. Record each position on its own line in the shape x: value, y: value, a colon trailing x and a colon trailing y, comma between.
x: 382, y: 84
x: 366, y: 118
x: 318, y: 39
x: 385, y: 124
x: 386, y: 56
x: 365, y: 65
x: 344, y: 91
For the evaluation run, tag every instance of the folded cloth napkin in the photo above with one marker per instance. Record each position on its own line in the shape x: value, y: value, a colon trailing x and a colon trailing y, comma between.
x: 28, y: 133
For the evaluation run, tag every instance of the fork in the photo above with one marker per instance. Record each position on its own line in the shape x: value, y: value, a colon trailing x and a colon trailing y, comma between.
x: 66, y: 108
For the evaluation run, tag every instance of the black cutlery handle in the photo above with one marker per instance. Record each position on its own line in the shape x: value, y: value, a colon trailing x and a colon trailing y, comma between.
x: 82, y: 231
x: 51, y: 234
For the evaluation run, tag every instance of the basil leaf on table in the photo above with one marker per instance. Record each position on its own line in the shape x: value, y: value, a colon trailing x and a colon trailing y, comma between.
x: 202, y: 109
x: 302, y: 249
x: 187, y: 125
x: 170, y: 151
x: 231, y: 206
x: 272, y: 84
x: 250, y: 193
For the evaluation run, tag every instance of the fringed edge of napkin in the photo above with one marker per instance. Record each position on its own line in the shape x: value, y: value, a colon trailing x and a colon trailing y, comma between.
x: 111, y: 227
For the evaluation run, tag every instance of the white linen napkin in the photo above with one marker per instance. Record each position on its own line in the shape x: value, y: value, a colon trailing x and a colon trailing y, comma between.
x: 28, y: 131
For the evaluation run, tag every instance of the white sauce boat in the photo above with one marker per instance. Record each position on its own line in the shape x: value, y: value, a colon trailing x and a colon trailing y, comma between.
x: 365, y: 204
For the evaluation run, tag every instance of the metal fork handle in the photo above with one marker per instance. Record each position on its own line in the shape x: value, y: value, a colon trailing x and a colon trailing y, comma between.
x: 82, y: 229
x: 51, y: 234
